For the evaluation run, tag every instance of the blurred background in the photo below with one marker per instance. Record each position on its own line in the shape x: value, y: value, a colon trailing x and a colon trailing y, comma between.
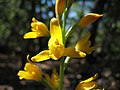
x: 15, y: 19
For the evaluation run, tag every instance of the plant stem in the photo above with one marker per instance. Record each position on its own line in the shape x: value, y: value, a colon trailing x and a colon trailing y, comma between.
x: 61, y: 79
x: 64, y: 25
x: 71, y: 29
x: 61, y: 74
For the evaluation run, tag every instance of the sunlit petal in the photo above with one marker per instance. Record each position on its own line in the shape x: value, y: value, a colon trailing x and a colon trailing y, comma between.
x: 89, y: 19
x: 32, y: 35
x: 55, y: 29
x: 87, y: 84
x: 71, y: 52
x: 32, y: 72
x: 90, y: 79
x: 59, y: 6
x: 39, y: 29
x: 56, y: 48
x: 42, y: 56
x: 82, y: 41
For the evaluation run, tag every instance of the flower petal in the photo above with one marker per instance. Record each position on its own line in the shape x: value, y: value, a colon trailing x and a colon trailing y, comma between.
x: 31, y: 67
x: 90, y: 79
x: 86, y: 47
x: 55, y: 29
x: 71, y: 52
x: 54, y: 79
x: 30, y: 35
x: 86, y: 86
x: 42, y: 56
x: 31, y: 72
x: 88, y: 51
x: 22, y: 74
x: 80, y: 44
x: 89, y: 19
x: 56, y: 49
x: 59, y: 6
x: 39, y: 27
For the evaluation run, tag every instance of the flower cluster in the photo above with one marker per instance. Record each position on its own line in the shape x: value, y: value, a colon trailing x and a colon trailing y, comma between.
x: 57, y: 47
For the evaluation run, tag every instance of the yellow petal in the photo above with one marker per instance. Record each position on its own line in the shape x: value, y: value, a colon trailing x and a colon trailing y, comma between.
x: 89, y: 51
x: 80, y: 44
x: 31, y: 67
x: 39, y: 27
x: 56, y: 49
x: 86, y: 86
x: 86, y: 47
x: 42, y: 56
x: 60, y: 6
x: 90, y: 79
x: 30, y: 35
x: 89, y: 86
x: 89, y: 19
x: 20, y: 73
x: 55, y: 29
x: 32, y: 72
x: 71, y: 52
x: 54, y: 79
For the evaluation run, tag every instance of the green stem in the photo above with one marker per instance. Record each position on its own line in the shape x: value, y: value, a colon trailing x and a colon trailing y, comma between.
x: 64, y: 25
x: 71, y: 29
x: 61, y: 74
x: 61, y: 79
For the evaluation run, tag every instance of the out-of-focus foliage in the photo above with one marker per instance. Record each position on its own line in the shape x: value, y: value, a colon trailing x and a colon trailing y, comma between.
x: 15, y: 19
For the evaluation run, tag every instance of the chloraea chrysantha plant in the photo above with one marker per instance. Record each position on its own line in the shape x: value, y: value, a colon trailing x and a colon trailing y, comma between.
x: 57, y: 49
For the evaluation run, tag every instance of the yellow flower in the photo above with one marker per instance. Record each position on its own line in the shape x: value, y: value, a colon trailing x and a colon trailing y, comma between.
x: 56, y: 47
x: 89, y: 19
x: 59, y: 7
x: 39, y: 29
x: 87, y: 84
x: 53, y: 80
x: 32, y: 72
x: 82, y: 47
